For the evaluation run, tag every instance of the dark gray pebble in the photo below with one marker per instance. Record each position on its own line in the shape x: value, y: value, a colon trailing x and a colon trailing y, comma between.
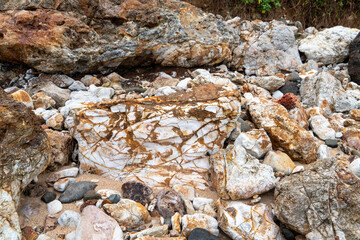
x: 333, y: 143
x: 48, y: 197
x: 201, y: 234
x: 114, y: 198
x: 91, y: 194
x: 76, y: 191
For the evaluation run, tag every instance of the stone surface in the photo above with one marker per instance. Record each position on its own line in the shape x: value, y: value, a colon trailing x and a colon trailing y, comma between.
x: 35, y: 190
x: 161, y: 141
x: 283, y: 131
x: 137, y: 191
x: 77, y: 86
x: 352, y: 137
x: 201, y: 234
x: 40, y: 100
x: 241, y: 221
x: 157, y: 231
x: 169, y: 202
x: 321, y: 127
x: 128, y: 213
x: 76, y: 191
x: 68, y: 172
x: 355, y: 166
x: 267, y: 48
x: 199, y: 220
x: 23, y: 97
x: 61, y: 147
x: 9, y: 220
x: 256, y: 142
x: 62, y: 184
x: 69, y: 219
x: 354, y: 59
x: 90, y: 195
x: 327, y: 210
x: 92, y: 36
x: 56, y: 122
x: 50, y: 223
x: 48, y: 197
x: 95, y: 224
x: 328, y: 46
x: 270, y: 83
x: 54, y: 207
x: 235, y: 174
x: 355, y: 114
x: 279, y: 161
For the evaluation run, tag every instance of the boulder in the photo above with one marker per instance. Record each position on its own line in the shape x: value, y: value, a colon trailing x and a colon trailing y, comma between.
x: 87, y: 36
x: 283, y: 131
x: 23, y: 156
x: 328, y: 46
x: 161, y: 141
x: 354, y: 59
x: 235, y: 174
x: 61, y: 147
x: 321, y: 202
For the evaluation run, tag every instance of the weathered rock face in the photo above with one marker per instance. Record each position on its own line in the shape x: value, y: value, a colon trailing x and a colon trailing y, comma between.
x: 321, y: 211
x: 354, y: 60
x: 161, y: 141
x: 61, y: 147
x: 241, y: 221
x: 283, y: 131
x: 236, y: 174
x: 85, y: 36
x: 266, y: 48
x: 23, y: 156
x: 328, y: 46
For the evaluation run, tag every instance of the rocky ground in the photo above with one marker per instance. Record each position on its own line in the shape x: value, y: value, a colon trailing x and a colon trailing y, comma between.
x: 110, y: 129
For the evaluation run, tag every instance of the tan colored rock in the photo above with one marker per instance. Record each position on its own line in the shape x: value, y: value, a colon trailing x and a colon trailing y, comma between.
x: 355, y: 114
x: 56, y: 122
x: 283, y: 131
x: 156, y: 231
x: 241, y: 221
x: 128, y: 213
x: 162, y: 141
x: 23, y: 97
x: 61, y: 147
x: 40, y: 100
x: 164, y: 81
x: 176, y: 223
x: 279, y: 161
x: 199, y: 220
x: 187, y: 192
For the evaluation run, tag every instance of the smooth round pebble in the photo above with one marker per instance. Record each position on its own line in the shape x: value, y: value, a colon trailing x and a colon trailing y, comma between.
x: 114, y: 198
x: 333, y: 143
x: 48, y: 197
x: 54, y: 207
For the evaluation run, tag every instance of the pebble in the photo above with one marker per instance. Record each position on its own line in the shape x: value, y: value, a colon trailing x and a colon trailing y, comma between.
x: 71, y: 236
x: 244, y: 125
x: 62, y: 184
x: 69, y: 219
x: 48, y: 197
x: 277, y: 94
x: 333, y: 143
x: 114, y: 198
x: 298, y: 169
x: 201, y: 234
x: 91, y: 194
x: 69, y: 172
x: 76, y: 191
x: 105, y: 193
x: 50, y: 223
x: 338, y: 134
x: 169, y: 202
x: 77, y: 86
x: 54, y: 207
x: 137, y: 191
x: 355, y: 167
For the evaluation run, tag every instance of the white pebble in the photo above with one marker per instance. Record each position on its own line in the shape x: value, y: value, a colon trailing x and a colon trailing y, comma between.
x: 54, y: 207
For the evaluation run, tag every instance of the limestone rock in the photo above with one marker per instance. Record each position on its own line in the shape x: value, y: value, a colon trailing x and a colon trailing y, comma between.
x: 161, y: 141
x: 54, y: 207
x: 128, y: 213
x: 23, y: 97
x: 95, y: 224
x: 69, y: 219
x: 9, y: 220
x: 355, y: 114
x: 56, y: 122
x: 354, y: 59
x: 352, y: 137
x: 267, y: 48
x: 321, y: 127
x: 199, y: 220
x: 279, y: 161
x: 320, y: 209
x: 61, y: 146
x: 328, y: 46
x: 237, y: 175
x: 270, y: 83
x: 40, y: 100
x: 256, y: 142
x: 283, y: 131
x: 241, y: 221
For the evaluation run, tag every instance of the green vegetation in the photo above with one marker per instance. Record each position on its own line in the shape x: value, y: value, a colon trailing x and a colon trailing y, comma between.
x: 263, y: 5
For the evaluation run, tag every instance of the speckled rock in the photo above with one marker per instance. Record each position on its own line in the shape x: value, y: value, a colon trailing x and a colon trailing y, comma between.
x: 242, y: 221
x: 235, y: 174
x: 256, y: 142
x: 56, y: 122
x: 62, y: 184
x: 128, y: 213
x: 169, y: 202
x: 160, y: 141
x: 199, y: 220
x: 9, y: 220
x: 137, y: 191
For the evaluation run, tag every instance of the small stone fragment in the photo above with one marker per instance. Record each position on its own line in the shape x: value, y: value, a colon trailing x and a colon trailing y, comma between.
x: 288, y: 101
x: 62, y: 184
x: 56, y: 122
x: 54, y: 207
x: 76, y: 191
x: 69, y: 219
x: 88, y: 203
x: 169, y: 202
x: 279, y: 161
x: 35, y: 190
x: 69, y: 172
x: 137, y: 191
x: 157, y: 231
x: 29, y: 233
x: 23, y: 97
x: 105, y: 193
x: 48, y: 197
x: 50, y: 223
x: 77, y: 86
x: 256, y: 142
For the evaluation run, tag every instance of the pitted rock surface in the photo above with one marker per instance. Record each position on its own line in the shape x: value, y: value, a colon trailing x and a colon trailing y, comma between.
x: 161, y: 141
x: 137, y: 191
x: 169, y: 202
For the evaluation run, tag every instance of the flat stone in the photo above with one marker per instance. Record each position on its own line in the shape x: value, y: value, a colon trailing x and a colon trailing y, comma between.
x: 333, y: 143
x: 77, y: 86
x: 279, y: 161
x: 169, y: 202
x: 199, y: 220
x: 63, y: 183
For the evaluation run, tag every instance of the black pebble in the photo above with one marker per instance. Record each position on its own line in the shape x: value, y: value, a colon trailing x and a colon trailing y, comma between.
x: 333, y: 143
x: 114, y: 198
x: 201, y: 234
x: 48, y: 197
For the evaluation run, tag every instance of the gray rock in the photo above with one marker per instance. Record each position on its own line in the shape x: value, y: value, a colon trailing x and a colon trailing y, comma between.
x: 169, y: 202
x: 290, y: 87
x: 91, y: 194
x: 244, y: 125
x: 77, y: 86
x: 54, y: 207
x: 201, y: 234
x: 76, y: 191
x: 293, y: 77
x: 114, y: 198
x: 333, y: 143
x: 62, y: 81
x: 48, y: 197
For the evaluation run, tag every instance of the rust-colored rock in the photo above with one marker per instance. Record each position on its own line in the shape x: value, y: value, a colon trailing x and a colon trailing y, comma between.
x: 288, y: 101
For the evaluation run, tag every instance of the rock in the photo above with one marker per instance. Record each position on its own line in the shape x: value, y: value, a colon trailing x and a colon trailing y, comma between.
x: 23, y: 156
x: 241, y: 221
x: 30, y: 209
x: 46, y: 114
x: 268, y: 48
x: 199, y: 220
x: 29, y: 233
x: 78, y: 46
x: 283, y: 131
x: 169, y: 202
x: 95, y: 224
x: 323, y: 152
x: 325, y: 91
x: 355, y: 166
x: 292, y: 77
x: 256, y: 142
x: 333, y: 42
x: 352, y: 137
x: 61, y: 81
x: 321, y: 127
x: 76, y: 191
x: 69, y: 219
x: 105, y: 193
x: 354, y: 59
x: 157, y: 231
x: 54, y: 207
x: 333, y: 143
x: 114, y: 198
x: 72, y: 236
x: 44, y: 237
x: 320, y: 209
x: 289, y: 101
x: 128, y: 213
x: 48, y: 197
x: 244, y: 125
x: 137, y: 191
x: 290, y: 87
x: 23, y: 97
x: 63, y: 183
x: 201, y: 234
x: 164, y: 81
x: 35, y: 190
x: 277, y: 94
x: 161, y: 238
x: 91, y: 194
x: 77, y: 86
x: 56, y: 122
x: 50, y: 223
x: 176, y: 224
x: 279, y: 161
x: 69, y: 172
x: 170, y: 135
x: 271, y: 83
x: 235, y: 174
x: 40, y: 100
x: 355, y: 114
x: 61, y: 147
x: 187, y: 192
